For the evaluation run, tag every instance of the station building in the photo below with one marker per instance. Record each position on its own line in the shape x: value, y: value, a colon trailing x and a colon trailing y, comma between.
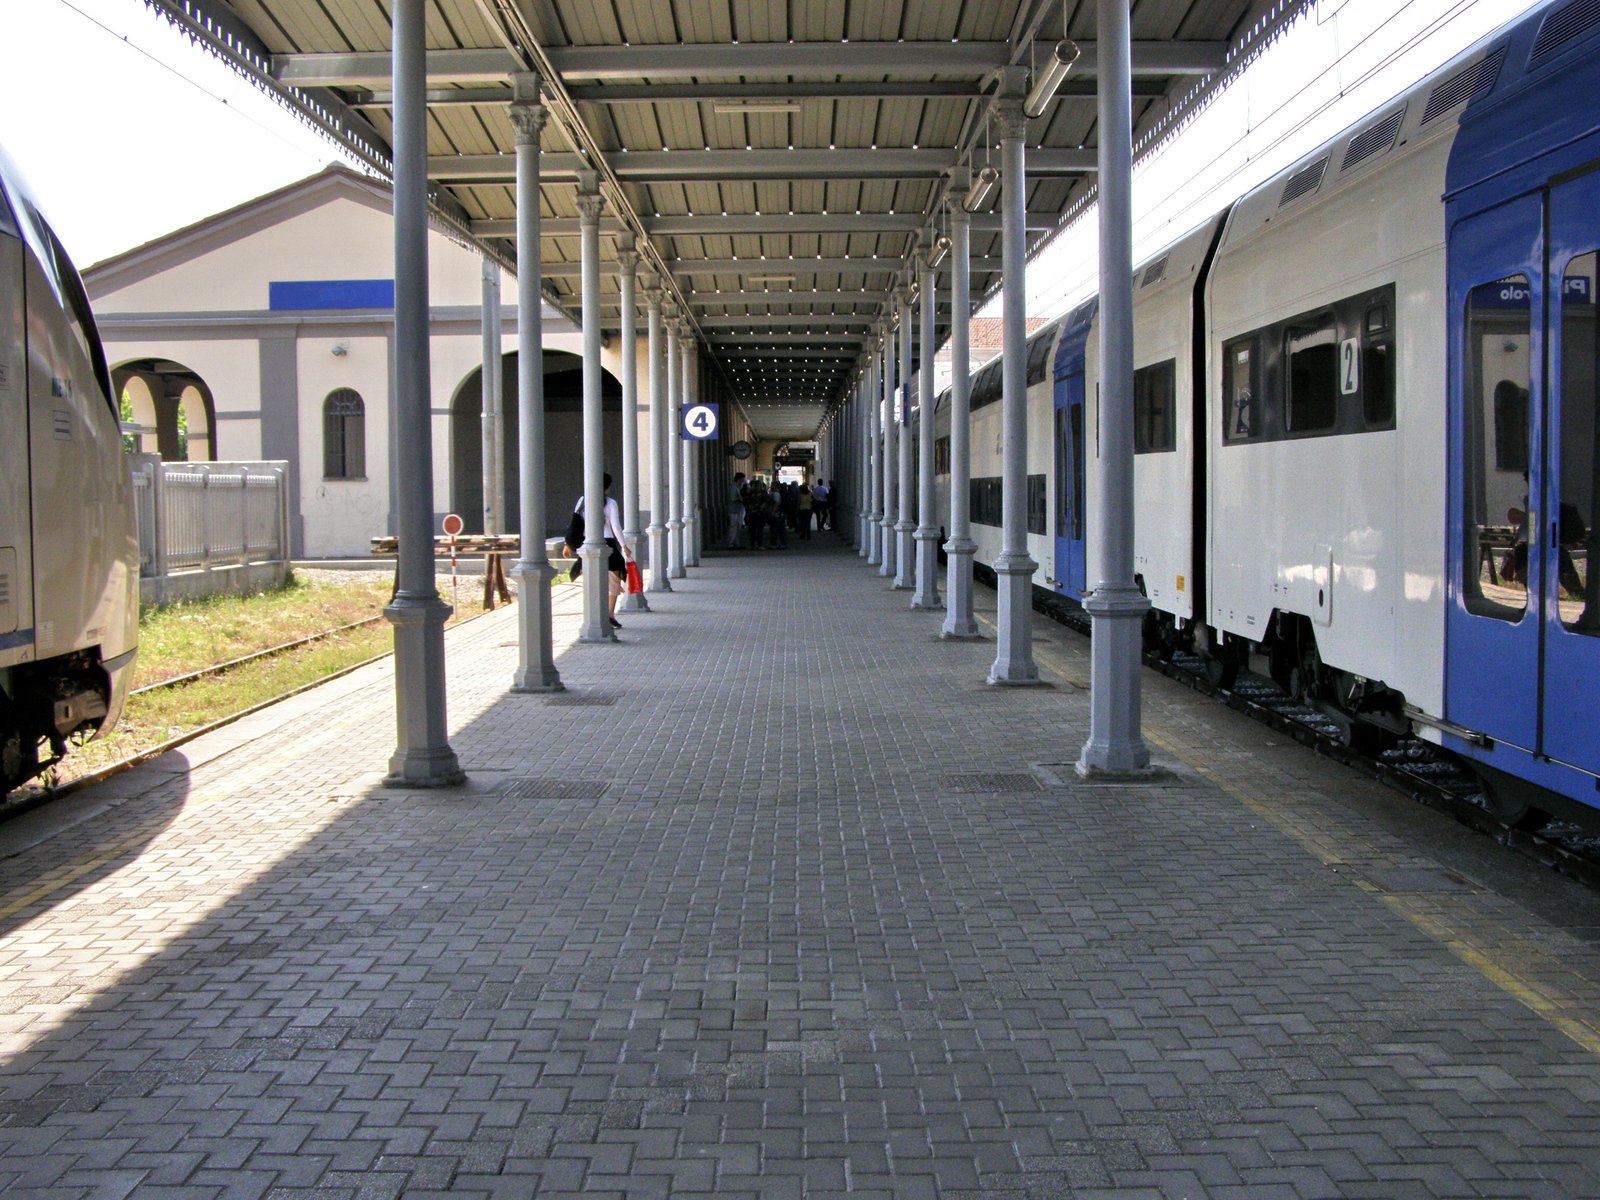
x: 267, y: 332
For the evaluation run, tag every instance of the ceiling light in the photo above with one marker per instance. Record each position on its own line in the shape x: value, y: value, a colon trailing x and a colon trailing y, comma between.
x: 1062, y: 57
x: 745, y: 107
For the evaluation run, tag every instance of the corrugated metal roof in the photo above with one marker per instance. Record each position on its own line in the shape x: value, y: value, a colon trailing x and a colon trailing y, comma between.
x: 638, y: 77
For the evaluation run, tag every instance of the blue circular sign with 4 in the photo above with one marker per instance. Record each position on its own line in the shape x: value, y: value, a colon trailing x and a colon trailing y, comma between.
x: 700, y: 421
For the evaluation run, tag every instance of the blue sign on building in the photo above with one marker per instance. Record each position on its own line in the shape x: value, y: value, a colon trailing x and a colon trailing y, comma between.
x: 283, y: 295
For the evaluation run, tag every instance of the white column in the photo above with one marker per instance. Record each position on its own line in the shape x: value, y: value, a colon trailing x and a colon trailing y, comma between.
x: 882, y: 367
x: 594, y: 553
x: 905, y: 564
x: 628, y: 267
x: 959, y: 623
x: 536, y: 665
x: 1013, y: 663
x: 1116, y: 607
x: 891, y: 456
x: 927, y: 535
x: 494, y: 519
x: 675, y: 568
x: 657, y: 532
x: 691, y: 488
x: 422, y: 756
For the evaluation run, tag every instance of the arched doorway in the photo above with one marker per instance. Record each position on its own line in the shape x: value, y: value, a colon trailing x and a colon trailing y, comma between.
x: 168, y: 397
x: 563, y: 453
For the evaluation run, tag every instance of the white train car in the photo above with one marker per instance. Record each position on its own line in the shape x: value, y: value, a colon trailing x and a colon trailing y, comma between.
x: 69, y: 552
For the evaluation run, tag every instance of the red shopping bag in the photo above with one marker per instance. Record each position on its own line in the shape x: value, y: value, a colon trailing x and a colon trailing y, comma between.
x: 635, y: 580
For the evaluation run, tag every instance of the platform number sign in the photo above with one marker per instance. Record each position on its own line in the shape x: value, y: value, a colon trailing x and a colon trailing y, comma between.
x: 700, y: 422
x: 1349, y: 366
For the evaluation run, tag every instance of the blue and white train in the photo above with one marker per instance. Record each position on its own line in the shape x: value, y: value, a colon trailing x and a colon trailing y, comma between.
x: 1365, y: 403
x: 69, y: 551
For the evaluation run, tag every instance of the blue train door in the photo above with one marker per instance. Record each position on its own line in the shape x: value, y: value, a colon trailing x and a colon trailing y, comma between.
x: 1070, y: 519
x: 1523, y: 632
x: 1571, y: 543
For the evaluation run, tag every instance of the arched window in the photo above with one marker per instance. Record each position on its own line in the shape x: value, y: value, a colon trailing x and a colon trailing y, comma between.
x: 344, y: 435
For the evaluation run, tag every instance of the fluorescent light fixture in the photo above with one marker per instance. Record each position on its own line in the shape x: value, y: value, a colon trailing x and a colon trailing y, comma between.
x: 936, y: 252
x: 984, y: 182
x: 733, y: 108
x: 1062, y: 57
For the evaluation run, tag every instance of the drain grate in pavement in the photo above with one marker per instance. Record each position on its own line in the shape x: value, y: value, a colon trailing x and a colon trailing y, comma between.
x: 555, y: 789
x: 581, y: 701
x: 1017, y: 782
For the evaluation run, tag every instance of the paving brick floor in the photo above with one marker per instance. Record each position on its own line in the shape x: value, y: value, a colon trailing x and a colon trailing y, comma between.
x: 779, y: 900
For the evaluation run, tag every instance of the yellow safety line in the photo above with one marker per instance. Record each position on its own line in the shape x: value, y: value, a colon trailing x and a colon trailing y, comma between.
x: 1500, y: 954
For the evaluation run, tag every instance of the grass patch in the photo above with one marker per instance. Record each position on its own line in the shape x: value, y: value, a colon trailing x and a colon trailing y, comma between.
x: 183, y: 638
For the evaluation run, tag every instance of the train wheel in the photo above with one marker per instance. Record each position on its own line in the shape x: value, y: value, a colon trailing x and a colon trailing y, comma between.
x: 1221, y: 667
x: 1308, y: 678
x: 19, y: 759
x: 1510, y: 803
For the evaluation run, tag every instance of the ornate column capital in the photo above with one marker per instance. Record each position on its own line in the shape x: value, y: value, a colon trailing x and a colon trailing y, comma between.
x: 653, y: 292
x: 1009, y: 118
x: 590, y: 201
x: 628, y: 258
x: 527, y: 111
x: 955, y: 200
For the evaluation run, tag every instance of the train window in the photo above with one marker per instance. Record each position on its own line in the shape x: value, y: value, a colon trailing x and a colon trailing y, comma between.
x: 986, y: 387
x: 79, y: 317
x: 1039, y: 355
x: 1311, y: 402
x: 1240, y: 408
x: 1577, y: 542
x: 941, y: 455
x: 1063, y: 469
x: 1495, y: 393
x: 1037, y: 507
x: 344, y: 435
x: 1377, y: 368
x: 1154, y: 404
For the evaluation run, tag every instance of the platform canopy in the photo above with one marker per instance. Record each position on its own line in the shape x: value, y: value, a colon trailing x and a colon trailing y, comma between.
x: 776, y: 159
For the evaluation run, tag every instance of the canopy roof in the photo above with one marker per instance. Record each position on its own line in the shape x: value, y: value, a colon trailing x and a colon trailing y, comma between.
x: 777, y: 160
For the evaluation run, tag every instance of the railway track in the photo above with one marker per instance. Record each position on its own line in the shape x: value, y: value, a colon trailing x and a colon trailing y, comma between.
x: 1419, y: 769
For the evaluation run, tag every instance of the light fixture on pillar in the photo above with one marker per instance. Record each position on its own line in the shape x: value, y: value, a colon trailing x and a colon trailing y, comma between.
x: 984, y: 182
x: 1062, y: 58
x: 937, y: 251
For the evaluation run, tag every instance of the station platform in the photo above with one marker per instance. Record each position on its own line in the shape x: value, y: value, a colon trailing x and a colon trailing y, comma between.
x: 779, y: 899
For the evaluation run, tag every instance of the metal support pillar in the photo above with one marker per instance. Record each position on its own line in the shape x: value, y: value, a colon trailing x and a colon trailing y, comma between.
x: 927, y: 535
x: 959, y: 623
x: 880, y: 385
x: 494, y: 512
x: 891, y: 457
x: 596, y: 625
x: 422, y: 756
x: 628, y: 269
x: 658, y: 445
x: 864, y: 527
x: 691, y: 463
x: 1116, y: 608
x: 1013, y: 663
x: 674, y: 453
x: 536, y: 664
x: 905, y: 561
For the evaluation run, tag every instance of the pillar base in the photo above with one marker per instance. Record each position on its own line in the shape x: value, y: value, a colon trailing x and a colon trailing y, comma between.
x: 1116, y: 747
x: 536, y: 667
x: 885, y: 533
x: 905, y: 557
x: 423, y: 757
x: 633, y: 602
x: 863, y: 542
x: 959, y: 623
x: 596, y: 584
x: 1013, y: 663
x: 927, y: 596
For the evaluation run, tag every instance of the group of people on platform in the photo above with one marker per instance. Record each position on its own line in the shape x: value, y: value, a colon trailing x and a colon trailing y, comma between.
x: 762, y: 516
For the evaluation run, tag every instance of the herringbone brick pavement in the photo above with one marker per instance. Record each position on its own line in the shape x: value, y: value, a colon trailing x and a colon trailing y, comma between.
x: 778, y: 899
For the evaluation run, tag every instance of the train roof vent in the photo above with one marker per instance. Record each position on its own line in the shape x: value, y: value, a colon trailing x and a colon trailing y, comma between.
x: 1372, y: 141
x: 1303, y: 182
x: 1155, y: 272
x: 1563, y: 26
x: 1465, y: 84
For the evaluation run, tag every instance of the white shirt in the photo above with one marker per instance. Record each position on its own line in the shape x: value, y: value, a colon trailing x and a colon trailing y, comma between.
x: 612, y: 522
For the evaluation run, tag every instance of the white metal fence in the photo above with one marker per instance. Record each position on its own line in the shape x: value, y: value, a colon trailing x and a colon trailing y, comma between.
x: 206, y: 528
